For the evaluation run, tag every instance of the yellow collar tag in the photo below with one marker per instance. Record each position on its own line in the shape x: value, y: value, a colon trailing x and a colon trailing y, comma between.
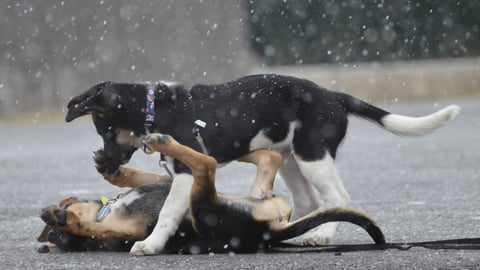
x: 104, y: 200
x: 104, y: 210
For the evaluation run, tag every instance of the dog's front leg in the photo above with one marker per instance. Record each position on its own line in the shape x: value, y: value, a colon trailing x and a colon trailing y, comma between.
x: 130, y: 177
x: 125, y: 176
x: 172, y: 213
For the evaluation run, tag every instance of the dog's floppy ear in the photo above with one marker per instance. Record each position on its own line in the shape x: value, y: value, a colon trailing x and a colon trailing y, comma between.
x: 67, y: 201
x: 43, y: 237
x: 88, y: 102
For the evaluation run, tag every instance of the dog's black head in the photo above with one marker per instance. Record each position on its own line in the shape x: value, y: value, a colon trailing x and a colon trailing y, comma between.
x: 92, y: 101
x: 119, y: 108
x: 115, y: 108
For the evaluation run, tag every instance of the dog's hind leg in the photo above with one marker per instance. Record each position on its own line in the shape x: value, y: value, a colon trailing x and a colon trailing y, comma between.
x: 304, y: 194
x: 324, y: 176
x: 267, y: 163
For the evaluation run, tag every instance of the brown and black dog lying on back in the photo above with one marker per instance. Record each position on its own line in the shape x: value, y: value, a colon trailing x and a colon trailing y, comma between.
x: 215, y: 222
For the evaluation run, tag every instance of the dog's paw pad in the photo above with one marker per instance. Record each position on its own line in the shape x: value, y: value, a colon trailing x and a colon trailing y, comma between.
x: 156, y: 138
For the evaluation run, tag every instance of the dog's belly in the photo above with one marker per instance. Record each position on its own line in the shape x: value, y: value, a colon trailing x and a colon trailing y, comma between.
x: 125, y: 199
x: 263, y: 141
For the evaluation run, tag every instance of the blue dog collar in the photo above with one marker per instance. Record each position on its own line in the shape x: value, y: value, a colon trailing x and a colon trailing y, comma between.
x: 150, y: 106
x: 104, y: 210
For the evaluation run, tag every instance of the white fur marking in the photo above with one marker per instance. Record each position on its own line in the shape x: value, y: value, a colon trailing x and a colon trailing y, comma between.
x: 127, y: 199
x: 304, y: 195
x: 416, y: 126
x: 172, y: 213
x: 260, y: 141
x: 168, y: 83
x: 324, y: 176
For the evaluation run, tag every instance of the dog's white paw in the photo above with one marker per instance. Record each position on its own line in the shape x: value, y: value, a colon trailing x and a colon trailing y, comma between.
x: 141, y: 248
x: 321, y: 236
x: 313, y: 239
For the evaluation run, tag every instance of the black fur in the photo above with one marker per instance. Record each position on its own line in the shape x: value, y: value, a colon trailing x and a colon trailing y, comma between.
x: 234, y: 112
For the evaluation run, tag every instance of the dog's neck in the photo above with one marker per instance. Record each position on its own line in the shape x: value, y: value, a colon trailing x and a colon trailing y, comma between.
x: 155, y: 97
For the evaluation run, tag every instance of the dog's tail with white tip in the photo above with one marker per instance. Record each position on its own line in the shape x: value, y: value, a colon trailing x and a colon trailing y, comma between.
x: 415, y: 126
x: 398, y: 124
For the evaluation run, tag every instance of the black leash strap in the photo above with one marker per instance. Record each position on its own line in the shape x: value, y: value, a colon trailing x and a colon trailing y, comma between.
x: 164, y: 164
x: 453, y: 244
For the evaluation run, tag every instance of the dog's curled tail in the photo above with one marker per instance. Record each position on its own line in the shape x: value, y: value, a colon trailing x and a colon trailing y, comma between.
x: 398, y: 124
x: 321, y: 216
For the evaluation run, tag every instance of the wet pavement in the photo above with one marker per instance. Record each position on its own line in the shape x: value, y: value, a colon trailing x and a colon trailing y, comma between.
x: 417, y: 189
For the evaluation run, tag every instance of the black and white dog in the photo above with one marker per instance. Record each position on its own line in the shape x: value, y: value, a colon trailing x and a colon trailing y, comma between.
x: 296, y: 117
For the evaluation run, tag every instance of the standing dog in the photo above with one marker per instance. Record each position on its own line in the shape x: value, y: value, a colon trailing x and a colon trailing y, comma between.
x: 215, y: 222
x: 293, y: 116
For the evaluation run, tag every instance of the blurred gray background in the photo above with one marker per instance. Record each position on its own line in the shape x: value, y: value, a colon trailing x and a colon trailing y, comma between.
x: 411, y: 57
x: 378, y: 50
x: 52, y: 50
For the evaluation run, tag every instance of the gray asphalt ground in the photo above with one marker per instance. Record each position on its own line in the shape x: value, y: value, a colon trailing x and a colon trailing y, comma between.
x: 418, y: 189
